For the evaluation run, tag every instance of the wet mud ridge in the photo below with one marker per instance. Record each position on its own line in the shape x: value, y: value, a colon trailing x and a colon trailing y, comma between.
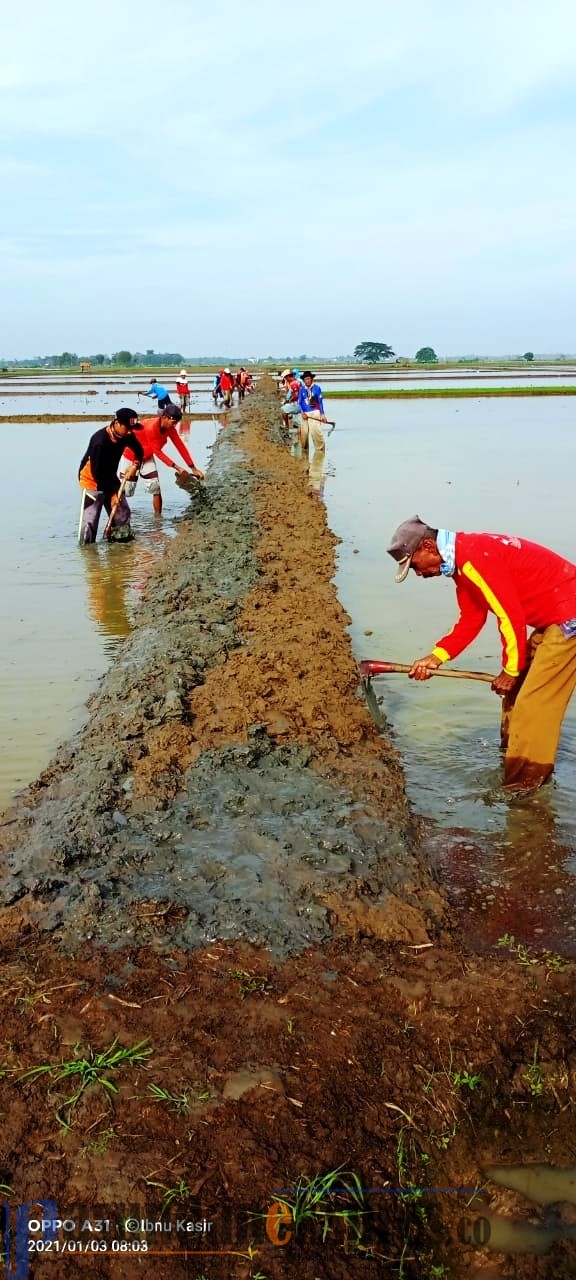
x: 228, y: 772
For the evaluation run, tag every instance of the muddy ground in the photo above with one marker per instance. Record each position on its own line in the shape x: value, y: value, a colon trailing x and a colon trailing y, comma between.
x: 223, y: 865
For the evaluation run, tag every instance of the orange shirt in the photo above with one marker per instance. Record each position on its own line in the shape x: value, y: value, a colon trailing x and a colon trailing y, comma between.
x: 153, y: 439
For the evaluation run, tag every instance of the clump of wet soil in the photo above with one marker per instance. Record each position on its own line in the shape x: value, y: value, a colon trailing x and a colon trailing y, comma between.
x: 223, y: 865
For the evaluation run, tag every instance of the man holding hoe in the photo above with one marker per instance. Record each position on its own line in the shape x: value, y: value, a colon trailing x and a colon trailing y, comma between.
x: 524, y: 585
x: 98, y: 477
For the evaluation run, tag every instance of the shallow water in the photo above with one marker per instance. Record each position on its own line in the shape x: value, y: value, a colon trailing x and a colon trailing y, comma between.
x: 414, y: 383
x: 81, y: 400
x: 503, y: 465
x: 65, y: 608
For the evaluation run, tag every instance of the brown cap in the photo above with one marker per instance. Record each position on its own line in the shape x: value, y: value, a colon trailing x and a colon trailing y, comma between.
x: 404, y: 543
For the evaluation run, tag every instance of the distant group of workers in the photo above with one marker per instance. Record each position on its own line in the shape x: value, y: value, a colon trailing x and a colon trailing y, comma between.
x: 303, y: 406
x: 226, y: 383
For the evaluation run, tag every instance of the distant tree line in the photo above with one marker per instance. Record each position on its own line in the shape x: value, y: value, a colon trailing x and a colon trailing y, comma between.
x: 69, y: 359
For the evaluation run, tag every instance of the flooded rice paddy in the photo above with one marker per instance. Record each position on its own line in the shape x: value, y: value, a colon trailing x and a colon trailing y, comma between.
x: 64, y: 609
x: 503, y: 465
x: 506, y: 465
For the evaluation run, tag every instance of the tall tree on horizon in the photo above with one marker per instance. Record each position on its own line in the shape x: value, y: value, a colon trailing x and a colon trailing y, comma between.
x: 372, y: 352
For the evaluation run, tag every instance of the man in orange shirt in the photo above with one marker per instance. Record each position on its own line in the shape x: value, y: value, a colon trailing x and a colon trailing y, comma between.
x: 153, y: 436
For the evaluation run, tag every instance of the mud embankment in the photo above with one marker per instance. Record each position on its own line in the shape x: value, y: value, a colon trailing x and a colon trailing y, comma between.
x: 228, y: 771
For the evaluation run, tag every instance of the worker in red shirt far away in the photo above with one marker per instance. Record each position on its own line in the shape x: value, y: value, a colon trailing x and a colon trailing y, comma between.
x: 524, y: 585
x: 153, y: 436
x: 227, y: 383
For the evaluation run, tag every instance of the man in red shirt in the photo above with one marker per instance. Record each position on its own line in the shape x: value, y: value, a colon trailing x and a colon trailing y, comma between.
x: 290, y: 405
x: 153, y: 436
x: 227, y: 383
x: 524, y: 585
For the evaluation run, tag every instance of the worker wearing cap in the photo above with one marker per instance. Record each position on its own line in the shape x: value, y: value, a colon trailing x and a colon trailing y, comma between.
x: 183, y: 390
x: 524, y: 585
x: 154, y: 435
x: 98, y: 477
x: 311, y: 405
x: 290, y: 405
x: 227, y: 386
x: 158, y: 393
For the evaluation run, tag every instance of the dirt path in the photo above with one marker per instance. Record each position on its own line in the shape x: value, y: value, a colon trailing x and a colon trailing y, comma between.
x: 223, y: 864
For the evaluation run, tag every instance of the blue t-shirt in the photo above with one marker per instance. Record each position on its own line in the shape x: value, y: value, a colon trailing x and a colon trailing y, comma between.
x: 304, y: 396
x: 157, y: 391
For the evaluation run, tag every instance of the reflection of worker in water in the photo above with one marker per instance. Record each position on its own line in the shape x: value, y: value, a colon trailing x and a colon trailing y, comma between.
x: 108, y: 576
x: 317, y: 472
x: 513, y: 881
x: 524, y: 585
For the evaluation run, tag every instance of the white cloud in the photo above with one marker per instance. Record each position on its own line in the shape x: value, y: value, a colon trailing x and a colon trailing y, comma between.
x: 145, y: 149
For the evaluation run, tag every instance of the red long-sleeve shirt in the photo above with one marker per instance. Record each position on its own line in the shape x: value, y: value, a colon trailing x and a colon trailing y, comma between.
x: 523, y: 584
x: 152, y: 439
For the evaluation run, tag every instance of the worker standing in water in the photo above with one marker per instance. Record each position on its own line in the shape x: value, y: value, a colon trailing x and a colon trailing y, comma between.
x: 227, y: 386
x: 311, y: 406
x: 157, y: 392
x: 98, y: 477
x: 524, y: 585
x: 183, y: 389
x: 155, y: 433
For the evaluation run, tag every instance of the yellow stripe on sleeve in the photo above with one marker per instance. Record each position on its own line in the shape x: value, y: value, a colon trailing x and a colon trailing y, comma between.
x: 440, y: 653
x: 512, y: 667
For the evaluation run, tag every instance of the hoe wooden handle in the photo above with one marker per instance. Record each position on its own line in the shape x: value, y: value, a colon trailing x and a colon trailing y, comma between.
x: 368, y: 669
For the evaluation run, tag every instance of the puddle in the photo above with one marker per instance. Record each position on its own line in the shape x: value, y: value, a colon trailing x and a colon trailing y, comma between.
x: 242, y: 1081
x: 552, y: 1189
x: 541, y: 1183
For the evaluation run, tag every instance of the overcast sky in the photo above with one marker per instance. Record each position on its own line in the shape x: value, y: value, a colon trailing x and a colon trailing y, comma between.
x: 267, y: 179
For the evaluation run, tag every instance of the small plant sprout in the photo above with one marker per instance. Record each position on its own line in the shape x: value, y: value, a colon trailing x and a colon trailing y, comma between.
x: 534, y: 1075
x: 250, y: 984
x: 90, y: 1070
x: 325, y: 1198
x: 172, y: 1195
x: 178, y: 1102
x: 463, y: 1080
x: 525, y: 955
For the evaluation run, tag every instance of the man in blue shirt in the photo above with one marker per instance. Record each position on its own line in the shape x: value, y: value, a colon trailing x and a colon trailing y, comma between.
x: 311, y: 407
x: 158, y: 393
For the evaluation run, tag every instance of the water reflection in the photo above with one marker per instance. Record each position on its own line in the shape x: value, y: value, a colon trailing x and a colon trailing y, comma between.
x: 518, y: 881
x: 108, y: 572
x: 115, y: 578
x: 317, y: 472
